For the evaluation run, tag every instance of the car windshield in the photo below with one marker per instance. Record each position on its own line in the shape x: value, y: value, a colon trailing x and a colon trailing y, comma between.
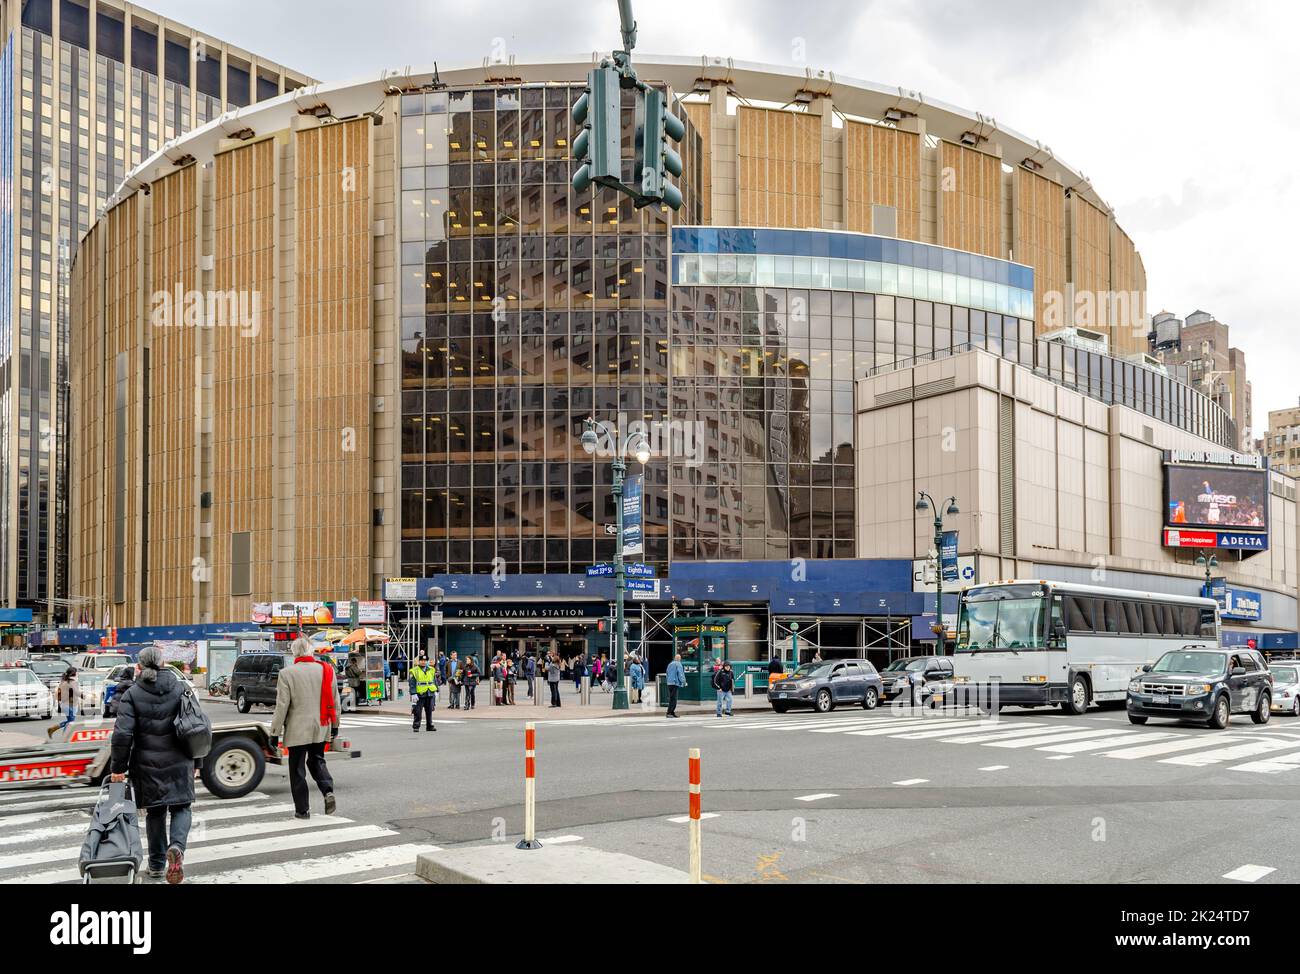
x: 47, y: 667
x: 808, y: 669
x: 1198, y: 663
x: 1284, y: 674
x: 899, y: 665
x: 1000, y: 624
x: 15, y: 678
x: 89, y: 676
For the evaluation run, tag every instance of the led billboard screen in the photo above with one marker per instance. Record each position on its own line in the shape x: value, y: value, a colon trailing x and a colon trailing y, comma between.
x: 1216, y: 497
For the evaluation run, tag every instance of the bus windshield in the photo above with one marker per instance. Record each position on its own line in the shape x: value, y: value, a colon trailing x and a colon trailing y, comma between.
x: 1015, y: 623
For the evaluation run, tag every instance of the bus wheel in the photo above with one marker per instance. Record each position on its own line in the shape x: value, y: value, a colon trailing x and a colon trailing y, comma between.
x: 1077, y: 702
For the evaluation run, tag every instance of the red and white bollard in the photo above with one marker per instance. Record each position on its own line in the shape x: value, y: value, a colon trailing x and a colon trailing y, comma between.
x: 694, y: 825
x: 529, y: 841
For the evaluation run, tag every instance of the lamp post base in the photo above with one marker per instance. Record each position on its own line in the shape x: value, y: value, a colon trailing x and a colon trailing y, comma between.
x: 620, y: 698
x: 527, y: 844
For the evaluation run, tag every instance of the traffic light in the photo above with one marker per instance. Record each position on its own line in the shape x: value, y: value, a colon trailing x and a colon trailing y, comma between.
x: 598, y: 146
x: 656, y: 159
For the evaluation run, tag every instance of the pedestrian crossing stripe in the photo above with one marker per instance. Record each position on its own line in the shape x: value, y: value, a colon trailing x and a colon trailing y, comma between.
x: 77, y: 827
x: 324, y: 867
x: 313, y: 839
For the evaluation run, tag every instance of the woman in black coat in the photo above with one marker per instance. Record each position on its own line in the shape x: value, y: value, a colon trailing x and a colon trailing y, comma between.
x: 162, y: 775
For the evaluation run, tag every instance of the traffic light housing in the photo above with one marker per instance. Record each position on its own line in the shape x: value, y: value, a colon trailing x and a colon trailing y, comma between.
x: 656, y: 159
x: 598, y: 146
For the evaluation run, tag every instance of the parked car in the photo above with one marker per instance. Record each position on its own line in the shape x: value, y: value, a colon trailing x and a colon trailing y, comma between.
x: 1209, y: 685
x: 91, y: 685
x: 936, y: 672
x: 1286, y: 687
x: 22, y: 694
x: 824, y: 686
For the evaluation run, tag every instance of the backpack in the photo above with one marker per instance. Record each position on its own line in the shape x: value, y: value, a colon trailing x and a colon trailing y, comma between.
x: 193, y: 727
x: 112, y: 846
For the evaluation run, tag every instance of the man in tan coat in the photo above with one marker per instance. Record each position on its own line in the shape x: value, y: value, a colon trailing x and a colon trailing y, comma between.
x: 307, y: 716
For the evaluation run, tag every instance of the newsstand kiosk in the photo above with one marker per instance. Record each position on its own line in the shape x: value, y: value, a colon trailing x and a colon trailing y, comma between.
x: 700, y: 640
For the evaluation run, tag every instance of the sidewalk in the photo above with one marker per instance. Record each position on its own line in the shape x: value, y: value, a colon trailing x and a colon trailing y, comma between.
x: 524, y: 708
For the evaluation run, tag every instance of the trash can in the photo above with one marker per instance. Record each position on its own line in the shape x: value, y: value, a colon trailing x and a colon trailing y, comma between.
x: 661, y: 691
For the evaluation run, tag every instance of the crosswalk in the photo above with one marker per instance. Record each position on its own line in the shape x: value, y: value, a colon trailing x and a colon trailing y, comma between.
x: 1270, y: 749
x: 254, y: 839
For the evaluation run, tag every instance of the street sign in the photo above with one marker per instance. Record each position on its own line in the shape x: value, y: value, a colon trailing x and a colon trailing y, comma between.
x: 598, y: 571
x: 435, y: 618
x: 642, y: 590
x: 611, y: 529
x: 637, y: 570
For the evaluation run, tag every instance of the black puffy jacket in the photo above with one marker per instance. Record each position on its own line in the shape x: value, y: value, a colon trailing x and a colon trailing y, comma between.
x: 145, y: 745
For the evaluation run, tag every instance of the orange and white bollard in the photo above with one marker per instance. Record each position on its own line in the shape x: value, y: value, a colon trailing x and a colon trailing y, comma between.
x: 695, y: 814
x: 529, y: 841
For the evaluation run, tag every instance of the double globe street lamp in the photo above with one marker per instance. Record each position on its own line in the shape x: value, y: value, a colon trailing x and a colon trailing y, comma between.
x: 639, y: 445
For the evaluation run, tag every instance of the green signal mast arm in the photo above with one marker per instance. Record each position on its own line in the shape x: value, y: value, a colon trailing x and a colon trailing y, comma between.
x: 628, y: 25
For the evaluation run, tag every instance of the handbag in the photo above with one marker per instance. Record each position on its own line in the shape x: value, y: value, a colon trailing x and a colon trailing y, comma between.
x: 193, y: 727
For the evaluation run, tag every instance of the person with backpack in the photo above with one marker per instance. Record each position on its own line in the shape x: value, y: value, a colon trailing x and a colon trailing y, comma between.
x: 145, y: 745
x: 306, y: 716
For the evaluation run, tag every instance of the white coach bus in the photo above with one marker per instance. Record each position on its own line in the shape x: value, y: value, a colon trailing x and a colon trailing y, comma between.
x: 1046, y: 643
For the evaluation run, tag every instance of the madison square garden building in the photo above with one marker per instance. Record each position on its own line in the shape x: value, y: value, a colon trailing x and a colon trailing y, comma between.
x: 350, y: 336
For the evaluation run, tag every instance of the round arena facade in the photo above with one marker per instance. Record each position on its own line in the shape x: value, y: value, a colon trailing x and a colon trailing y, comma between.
x: 353, y: 334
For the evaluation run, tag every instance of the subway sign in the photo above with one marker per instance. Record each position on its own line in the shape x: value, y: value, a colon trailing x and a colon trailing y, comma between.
x: 1234, y: 540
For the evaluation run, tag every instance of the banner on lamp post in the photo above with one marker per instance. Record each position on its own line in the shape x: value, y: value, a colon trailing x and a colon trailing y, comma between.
x: 632, y: 541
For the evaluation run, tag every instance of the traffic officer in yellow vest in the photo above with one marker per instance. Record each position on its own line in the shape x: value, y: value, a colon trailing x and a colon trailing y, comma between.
x: 423, y: 685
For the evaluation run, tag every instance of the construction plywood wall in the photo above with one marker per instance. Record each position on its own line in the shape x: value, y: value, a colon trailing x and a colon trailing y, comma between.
x: 780, y: 168
x: 1039, y: 240
x: 173, y: 477
x: 882, y: 168
x: 333, y: 253
x: 970, y: 200
x: 243, y: 373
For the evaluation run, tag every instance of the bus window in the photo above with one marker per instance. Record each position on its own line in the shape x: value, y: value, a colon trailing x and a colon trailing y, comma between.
x: 1208, y: 628
x: 1190, y: 616
x: 1132, y: 622
x: 1058, y: 620
x: 1151, y: 620
x: 1112, y: 613
x: 1078, y: 613
x: 1170, y: 619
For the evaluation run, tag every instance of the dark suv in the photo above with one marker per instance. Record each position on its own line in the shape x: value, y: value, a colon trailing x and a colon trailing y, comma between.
x: 255, y: 679
x: 1210, y: 685
x: 897, y: 675
x: 824, y: 686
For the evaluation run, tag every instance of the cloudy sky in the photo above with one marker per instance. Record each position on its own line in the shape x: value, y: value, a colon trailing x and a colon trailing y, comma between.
x: 1184, y: 113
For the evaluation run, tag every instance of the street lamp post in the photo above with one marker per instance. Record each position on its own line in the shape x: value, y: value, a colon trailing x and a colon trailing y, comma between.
x: 637, y: 442
x: 1209, y: 564
x: 924, y: 502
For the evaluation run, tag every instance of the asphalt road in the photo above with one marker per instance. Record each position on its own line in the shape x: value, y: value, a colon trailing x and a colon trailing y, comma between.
x: 887, y: 796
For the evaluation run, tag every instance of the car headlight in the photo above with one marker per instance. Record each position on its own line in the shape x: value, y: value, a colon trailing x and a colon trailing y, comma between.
x: 1135, y: 686
x: 1196, y: 689
x: 804, y: 684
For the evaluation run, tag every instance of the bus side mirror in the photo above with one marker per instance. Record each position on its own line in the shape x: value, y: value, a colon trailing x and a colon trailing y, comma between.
x: 1058, y: 629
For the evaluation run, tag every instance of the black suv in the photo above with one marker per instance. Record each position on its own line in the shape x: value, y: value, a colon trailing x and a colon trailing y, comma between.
x: 1210, y: 685
x: 823, y: 686
x: 933, y: 670
x: 255, y: 679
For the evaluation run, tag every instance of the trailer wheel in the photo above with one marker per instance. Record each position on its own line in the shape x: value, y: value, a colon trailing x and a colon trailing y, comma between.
x: 233, y: 768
